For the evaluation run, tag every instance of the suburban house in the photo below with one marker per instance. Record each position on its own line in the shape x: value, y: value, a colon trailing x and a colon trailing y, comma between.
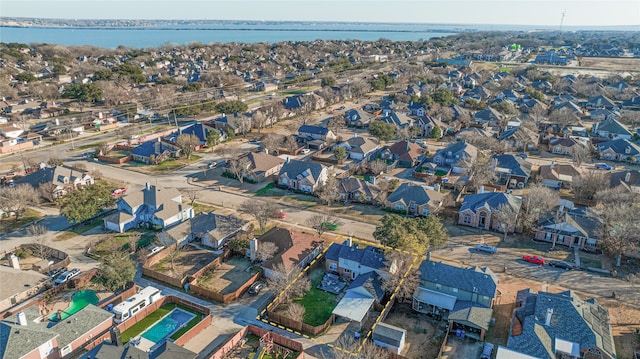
x: 453, y: 155
x: 154, y: 151
x: 629, y: 179
x: 310, y: 133
x: 212, y: 230
x: 363, y: 293
x: 619, y: 150
x: 400, y: 120
x: 62, y: 179
x: 559, y: 325
x: 358, y: 118
x: 427, y: 123
x: 302, y: 175
x: 512, y: 170
x: 236, y: 123
x: 601, y: 101
x: 357, y: 190
x: 350, y: 261
x: 27, y: 335
x: 408, y: 154
x: 488, y: 116
x: 200, y: 130
x: 293, y: 249
x: 559, y: 175
x: 359, y: 147
x: 451, y: 291
x: 520, y: 137
x: 152, y: 205
x: 477, y: 209
x: 262, y: 166
x: 563, y: 145
x: 574, y: 228
x: 389, y: 337
x: 610, y: 128
x: 414, y: 200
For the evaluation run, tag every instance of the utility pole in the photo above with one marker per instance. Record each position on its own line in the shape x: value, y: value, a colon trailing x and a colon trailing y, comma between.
x: 562, y: 20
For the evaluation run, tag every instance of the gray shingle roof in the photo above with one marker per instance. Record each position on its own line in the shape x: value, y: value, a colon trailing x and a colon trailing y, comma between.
x: 473, y: 279
x: 583, y: 322
x: 408, y: 193
x: 517, y: 165
x: 295, y: 168
x: 611, y: 126
x: 316, y: 130
x: 388, y: 333
x: 492, y: 199
x: 476, y: 316
x: 367, y: 257
x: 371, y: 283
x: 620, y: 146
x: 17, y: 341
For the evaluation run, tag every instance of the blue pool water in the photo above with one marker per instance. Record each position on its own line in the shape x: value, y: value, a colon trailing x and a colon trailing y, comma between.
x: 167, y: 325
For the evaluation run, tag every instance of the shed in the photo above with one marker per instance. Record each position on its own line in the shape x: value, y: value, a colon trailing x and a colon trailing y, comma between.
x: 389, y: 337
x: 473, y: 320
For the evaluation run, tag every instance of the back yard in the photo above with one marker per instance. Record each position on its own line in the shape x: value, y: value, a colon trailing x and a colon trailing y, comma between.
x: 185, y: 261
x: 424, y: 334
x: 229, y: 276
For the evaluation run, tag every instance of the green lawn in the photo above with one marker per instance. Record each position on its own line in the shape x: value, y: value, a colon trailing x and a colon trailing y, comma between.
x: 150, y: 319
x: 266, y: 190
x: 318, y: 305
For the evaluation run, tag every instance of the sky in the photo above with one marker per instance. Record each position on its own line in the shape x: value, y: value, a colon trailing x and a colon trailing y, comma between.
x: 502, y: 12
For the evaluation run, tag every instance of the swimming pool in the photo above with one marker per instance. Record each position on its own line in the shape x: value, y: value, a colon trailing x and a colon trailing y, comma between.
x: 80, y: 300
x: 168, y: 325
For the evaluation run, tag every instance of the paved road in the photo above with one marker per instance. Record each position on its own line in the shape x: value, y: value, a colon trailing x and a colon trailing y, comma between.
x: 599, y: 285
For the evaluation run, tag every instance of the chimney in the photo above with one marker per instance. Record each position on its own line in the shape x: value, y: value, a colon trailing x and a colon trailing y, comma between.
x: 481, y: 189
x: 627, y: 177
x: 22, y: 319
x: 57, y: 122
x: 14, y: 261
x: 253, y: 249
x: 349, y: 242
x: 266, y: 150
x: 147, y: 186
x: 428, y: 256
x: 287, y: 161
x: 407, y: 141
x: 355, y: 135
x: 553, y: 163
x: 547, y: 321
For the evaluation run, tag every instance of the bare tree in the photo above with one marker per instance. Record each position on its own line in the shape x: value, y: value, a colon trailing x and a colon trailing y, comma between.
x: 320, y: 223
x: 272, y: 143
x: 259, y: 120
x: 480, y: 171
x: 238, y: 167
x: 290, y: 144
x: 296, y: 311
x: 588, y: 184
x: 400, y: 275
x: 328, y: 191
x: 288, y: 283
x: 192, y: 194
x: 266, y: 251
x: 505, y: 216
x: 187, y: 143
x: 47, y: 191
x: 538, y: 201
x: 17, y: 199
x: 619, y: 231
x: 40, y: 246
x: 580, y: 154
x: 260, y: 210
x: 377, y: 166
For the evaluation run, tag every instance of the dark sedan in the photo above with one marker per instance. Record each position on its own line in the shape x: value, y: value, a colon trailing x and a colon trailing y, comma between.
x: 561, y: 265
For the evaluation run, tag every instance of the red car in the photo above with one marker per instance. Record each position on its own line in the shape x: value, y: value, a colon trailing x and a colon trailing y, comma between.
x: 278, y: 213
x: 118, y: 191
x: 533, y: 259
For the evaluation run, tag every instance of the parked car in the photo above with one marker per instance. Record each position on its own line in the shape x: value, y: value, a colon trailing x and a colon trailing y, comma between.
x: 561, y: 265
x: 522, y: 155
x: 486, y: 248
x: 118, y: 191
x: 278, y: 213
x: 330, y: 226
x: 305, y: 151
x: 603, y: 166
x: 256, y: 288
x: 533, y: 259
x: 66, y: 276
x: 56, y: 272
x: 155, y: 249
x: 487, y: 351
x: 212, y: 165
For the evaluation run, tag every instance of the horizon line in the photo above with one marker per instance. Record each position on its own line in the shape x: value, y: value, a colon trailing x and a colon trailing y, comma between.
x: 5, y: 18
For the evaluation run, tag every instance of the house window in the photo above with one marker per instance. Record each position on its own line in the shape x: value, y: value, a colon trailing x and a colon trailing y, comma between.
x: 333, y: 266
x: 399, y: 207
x: 467, y: 219
x: 425, y: 212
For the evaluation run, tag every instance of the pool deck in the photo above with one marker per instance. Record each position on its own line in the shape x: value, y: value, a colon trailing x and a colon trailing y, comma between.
x: 145, y: 344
